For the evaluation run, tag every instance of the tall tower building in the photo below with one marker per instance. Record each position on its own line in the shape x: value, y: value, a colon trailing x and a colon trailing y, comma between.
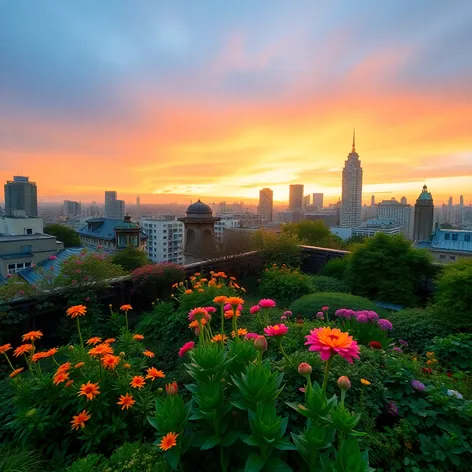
x: 114, y: 208
x: 21, y: 197
x: 295, y: 202
x: 461, y: 200
x: 403, y: 201
x: 318, y: 200
x: 266, y: 204
x: 352, y: 189
x: 372, y: 200
x: 424, y: 216
x: 399, y: 213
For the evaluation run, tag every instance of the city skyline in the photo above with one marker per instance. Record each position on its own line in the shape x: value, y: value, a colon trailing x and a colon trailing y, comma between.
x: 163, y: 100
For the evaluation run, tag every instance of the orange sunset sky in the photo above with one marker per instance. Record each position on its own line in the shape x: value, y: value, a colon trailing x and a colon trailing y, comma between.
x: 218, y: 99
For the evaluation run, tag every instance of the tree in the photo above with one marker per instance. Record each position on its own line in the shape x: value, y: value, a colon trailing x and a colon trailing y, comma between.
x: 278, y: 248
x: 68, y: 236
x: 130, y: 259
x: 387, y: 268
x: 313, y: 233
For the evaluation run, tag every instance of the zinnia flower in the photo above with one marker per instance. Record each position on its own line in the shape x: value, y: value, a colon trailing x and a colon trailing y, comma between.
x: 229, y: 307
x: 32, y: 336
x: 5, y: 348
x: 110, y: 362
x: 254, y: 309
x: 94, y: 340
x: 149, y: 354
x: 235, y: 301
x: 16, y: 372
x: 375, y: 345
x: 79, y: 420
x: 288, y: 313
x: 344, y: 383
x: 23, y: 349
x: 384, y: 324
x: 101, y: 350
x: 417, y: 385
x: 153, y: 373
x: 229, y: 314
x: 76, y: 310
x: 138, y: 381
x: 126, y: 307
x: 251, y: 336
x: 186, y: 347
x: 260, y: 343
x: 304, y: 369
x: 325, y: 308
x: 328, y: 342
x: 267, y: 303
x: 138, y: 337
x: 126, y: 401
x: 365, y: 382
x: 197, y: 314
x: 210, y: 309
x: 168, y: 441
x: 172, y: 389
x: 276, y: 330
x: 218, y: 338
x: 89, y: 390
x: 320, y: 315
x: 241, y: 332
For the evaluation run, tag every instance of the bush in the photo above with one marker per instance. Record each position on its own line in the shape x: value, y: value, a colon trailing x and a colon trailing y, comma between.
x: 309, y: 305
x: 417, y: 327
x: 335, y: 268
x: 454, y: 351
x: 278, y: 248
x: 67, y: 235
x: 18, y: 459
x: 313, y: 233
x: 130, y: 259
x: 321, y: 283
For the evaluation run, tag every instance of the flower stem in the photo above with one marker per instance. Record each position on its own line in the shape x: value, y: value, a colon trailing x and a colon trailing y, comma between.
x: 8, y: 360
x: 222, y: 312
x: 80, y: 334
x: 325, y: 378
x: 201, y: 337
x: 126, y: 318
x: 282, y: 350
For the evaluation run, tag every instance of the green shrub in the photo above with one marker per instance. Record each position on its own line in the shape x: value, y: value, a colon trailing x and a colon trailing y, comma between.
x: 90, y: 463
x: 323, y: 283
x: 137, y: 457
x: 417, y: 327
x: 130, y: 259
x: 278, y: 248
x: 454, y: 351
x: 18, y: 459
x: 335, y: 268
x: 311, y: 304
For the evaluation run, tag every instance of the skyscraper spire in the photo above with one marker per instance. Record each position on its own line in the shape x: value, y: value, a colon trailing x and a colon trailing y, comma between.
x: 354, y: 140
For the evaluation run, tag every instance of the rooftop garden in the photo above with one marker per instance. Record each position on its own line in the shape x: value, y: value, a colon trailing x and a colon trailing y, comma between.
x: 282, y: 370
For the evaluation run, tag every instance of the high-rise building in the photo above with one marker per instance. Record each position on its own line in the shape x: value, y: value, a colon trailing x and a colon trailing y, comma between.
x: 461, y: 200
x: 138, y: 200
x: 266, y: 204
x: 424, y: 216
x: 352, y: 189
x: 72, y: 209
x: 114, y: 209
x: 165, y: 239
x: 372, y: 200
x: 306, y: 201
x: 403, y: 201
x: 399, y: 213
x: 110, y: 196
x: 295, y: 203
x: 318, y: 200
x: 21, y: 197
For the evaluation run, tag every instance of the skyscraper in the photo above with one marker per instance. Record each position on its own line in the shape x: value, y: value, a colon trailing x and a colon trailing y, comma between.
x: 266, y: 204
x: 318, y: 200
x: 114, y: 208
x: 424, y: 216
x: 352, y: 189
x: 461, y: 200
x: 306, y: 201
x: 403, y: 201
x: 21, y: 197
x: 71, y: 208
x: 295, y: 203
x: 372, y: 200
x: 399, y: 213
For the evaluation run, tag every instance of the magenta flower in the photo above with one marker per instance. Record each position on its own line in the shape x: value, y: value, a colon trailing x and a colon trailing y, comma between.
x: 362, y: 318
x: 372, y: 316
x: 229, y: 307
x: 210, y: 309
x: 267, y: 303
x: 52, y: 258
x: 330, y: 341
x: 403, y: 343
x: 320, y: 315
x: 397, y: 349
x: 251, y: 336
x: 254, y: 309
x: 417, y: 385
x: 288, y: 313
x: 324, y: 308
x: 283, y: 318
x: 276, y: 330
x: 186, y: 347
x: 384, y: 324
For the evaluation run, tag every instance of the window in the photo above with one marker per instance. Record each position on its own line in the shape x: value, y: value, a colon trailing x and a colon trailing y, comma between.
x: 29, y: 231
x: 26, y: 249
x: 454, y: 236
x: 122, y: 240
x: 27, y: 264
x: 467, y: 238
x: 447, y: 236
x: 452, y: 258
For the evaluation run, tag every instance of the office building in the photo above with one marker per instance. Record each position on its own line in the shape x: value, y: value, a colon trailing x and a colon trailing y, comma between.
x: 295, y: 203
x: 72, y: 209
x: 114, y: 209
x: 403, y: 201
x: 227, y: 221
x: 377, y: 225
x: 449, y: 245
x: 352, y: 189
x: 399, y: 213
x: 306, y: 202
x: 21, y: 197
x: 165, y: 239
x: 318, y: 200
x: 266, y: 204
x: 372, y: 200
x: 424, y: 216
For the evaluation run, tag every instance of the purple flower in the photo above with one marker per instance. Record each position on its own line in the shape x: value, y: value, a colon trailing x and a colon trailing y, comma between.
x: 341, y: 312
x: 392, y: 408
x: 288, y: 313
x: 320, y: 315
x: 362, y: 318
x: 283, y: 318
x: 87, y: 299
x: 384, y: 324
x: 417, y: 385
x: 397, y: 349
x: 372, y: 316
x: 349, y: 314
x: 403, y: 343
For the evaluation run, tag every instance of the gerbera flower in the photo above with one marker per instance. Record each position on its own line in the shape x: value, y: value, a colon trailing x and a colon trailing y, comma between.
x: 94, y: 340
x: 138, y: 337
x: 101, y: 350
x: 32, y: 336
x: 241, y: 332
x: 39, y: 355
x: 109, y: 340
x: 254, y: 309
x: 267, y: 303
x: 229, y: 314
x: 149, y: 354
x: 188, y: 292
x: 60, y: 377
x: 197, y: 314
x: 16, y: 372
x: 218, y: 338
x: 64, y: 367
x: 251, y: 335
x: 68, y: 383
x: 51, y: 352
x: 153, y: 373
x: 5, y: 348
x: 235, y: 301
x: 23, y: 349
x: 126, y: 307
x: 220, y: 300
x: 89, y: 390
x: 138, y: 381
x: 126, y: 401
x: 276, y: 330
x: 186, y: 347
x: 79, y: 420
x: 76, y: 310
x: 329, y: 341
x: 168, y: 441
x: 110, y: 362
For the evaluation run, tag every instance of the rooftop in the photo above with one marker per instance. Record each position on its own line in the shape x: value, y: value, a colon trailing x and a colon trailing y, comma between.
x: 4, y: 238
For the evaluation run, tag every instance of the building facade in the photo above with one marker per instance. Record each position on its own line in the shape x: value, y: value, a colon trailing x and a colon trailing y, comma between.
x: 21, y: 197
x: 227, y: 221
x: 165, y: 239
x: 399, y: 213
x: 318, y: 200
x: 448, y: 245
x: 351, y: 209
x: 377, y: 225
x: 424, y: 216
x: 295, y: 203
x: 72, y: 209
x: 114, y: 208
x: 266, y: 204
x: 16, y: 226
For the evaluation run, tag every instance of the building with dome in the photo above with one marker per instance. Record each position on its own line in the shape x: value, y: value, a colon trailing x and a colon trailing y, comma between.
x: 424, y: 217
x: 199, y: 232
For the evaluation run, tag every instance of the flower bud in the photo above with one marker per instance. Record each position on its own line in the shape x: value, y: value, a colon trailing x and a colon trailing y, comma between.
x: 172, y: 389
x: 122, y: 354
x: 260, y: 343
x: 31, y: 412
x: 71, y: 348
x: 197, y: 331
x: 304, y: 369
x: 160, y: 390
x: 344, y: 383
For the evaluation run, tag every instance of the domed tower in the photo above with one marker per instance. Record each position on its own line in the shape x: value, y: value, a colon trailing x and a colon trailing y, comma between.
x: 424, y: 216
x: 199, y: 232
x: 128, y: 234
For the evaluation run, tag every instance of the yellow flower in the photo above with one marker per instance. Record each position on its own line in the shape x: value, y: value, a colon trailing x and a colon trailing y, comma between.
x: 365, y: 382
x: 430, y: 354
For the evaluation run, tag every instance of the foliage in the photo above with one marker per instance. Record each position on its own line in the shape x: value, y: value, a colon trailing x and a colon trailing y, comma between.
x: 130, y: 259
x: 454, y: 351
x: 335, y: 268
x: 387, y: 268
x: 67, y: 235
x: 313, y: 233
x: 284, y: 284
x: 18, y: 459
x: 322, y: 283
x: 16, y: 287
x: 417, y: 327
x: 454, y: 294
x: 309, y: 305
x: 278, y: 249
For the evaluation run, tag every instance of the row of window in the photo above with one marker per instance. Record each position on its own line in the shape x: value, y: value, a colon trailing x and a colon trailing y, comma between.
x: 14, y: 268
x: 454, y: 237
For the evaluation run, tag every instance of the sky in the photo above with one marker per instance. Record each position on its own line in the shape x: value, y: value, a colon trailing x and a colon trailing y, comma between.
x: 215, y: 99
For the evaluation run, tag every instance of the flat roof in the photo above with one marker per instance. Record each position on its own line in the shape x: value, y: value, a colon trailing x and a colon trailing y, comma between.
x: 24, y: 237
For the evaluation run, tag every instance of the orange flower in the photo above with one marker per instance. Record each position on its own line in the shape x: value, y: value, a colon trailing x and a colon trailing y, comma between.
x: 138, y: 337
x: 79, y: 420
x: 126, y: 366
x: 38, y: 355
x: 60, y: 377
x: 76, y: 310
x: 16, y: 372
x: 64, y: 367
x: 235, y: 301
x: 330, y: 341
x: 79, y: 365
x: 153, y: 373
x: 232, y: 278
x: 32, y: 336
x: 168, y: 441
x: 52, y: 352
x: 221, y: 300
x: 89, y: 390
x: 126, y: 401
x: 218, y: 338
x: 149, y: 354
x: 101, y: 350
x: 94, y: 340
x: 5, y: 348
x: 23, y: 349
x: 194, y: 323
x: 110, y: 362
x: 212, y: 283
x: 241, y: 332
x: 188, y: 292
x: 126, y: 307
x: 229, y: 314
x: 109, y: 340
x: 200, y: 290
x: 68, y: 383
x: 138, y: 381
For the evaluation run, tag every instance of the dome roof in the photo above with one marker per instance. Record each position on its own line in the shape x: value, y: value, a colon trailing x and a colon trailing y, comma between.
x: 425, y: 195
x: 127, y: 224
x: 199, y: 210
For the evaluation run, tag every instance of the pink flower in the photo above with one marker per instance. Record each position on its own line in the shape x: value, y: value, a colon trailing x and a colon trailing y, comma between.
x: 330, y: 341
x: 251, y: 336
x: 260, y: 343
x: 324, y: 308
x: 186, y: 347
x: 210, y: 309
x: 283, y: 318
x: 304, y: 369
x: 51, y: 258
x: 320, y: 315
x: 276, y: 330
x: 87, y: 299
x: 254, y: 309
x: 362, y: 318
x: 386, y: 325
x: 288, y: 313
x: 229, y: 307
x: 78, y: 271
x: 197, y: 314
x: 267, y: 303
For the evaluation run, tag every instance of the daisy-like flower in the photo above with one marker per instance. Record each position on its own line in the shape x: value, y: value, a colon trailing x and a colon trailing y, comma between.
x: 89, y: 390
x: 235, y: 301
x: 138, y: 337
x: 254, y: 309
x: 64, y: 367
x: 94, y: 340
x: 68, y: 383
x: 168, y: 441
x: 241, y: 332
x: 328, y: 342
x: 197, y: 314
x: 110, y: 361
x: 23, y: 349
x: 229, y: 314
x: 194, y: 323
x: 186, y: 347
x: 109, y: 340
x: 153, y: 373
x: 188, y: 292
x: 276, y: 330
x: 76, y: 310
x: 220, y: 300
x: 39, y: 355
x: 5, y: 348
x: 229, y: 307
x: 79, y: 420
x: 32, y: 336
x: 126, y: 401
x: 100, y: 350
x: 149, y: 353
x: 126, y: 366
x: 267, y: 303
x: 218, y: 338
x: 251, y: 335
x: 60, y: 377
x: 16, y: 372
x: 126, y: 307
x: 138, y: 381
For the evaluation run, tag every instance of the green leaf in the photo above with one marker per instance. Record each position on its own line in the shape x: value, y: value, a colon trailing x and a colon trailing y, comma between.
x: 230, y: 438
x: 274, y: 464
x: 251, y: 440
x: 284, y: 445
x: 210, y: 442
x: 254, y: 463
x: 173, y: 457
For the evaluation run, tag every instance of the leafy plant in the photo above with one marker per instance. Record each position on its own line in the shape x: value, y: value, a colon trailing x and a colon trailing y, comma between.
x: 130, y: 259
x: 323, y: 283
x: 335, y: 268
x: 454, y: 351
x: 278, y: 249
x: 19, y: 459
